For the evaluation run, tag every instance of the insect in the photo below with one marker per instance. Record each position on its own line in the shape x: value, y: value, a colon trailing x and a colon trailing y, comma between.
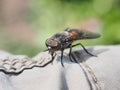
x: 64, y: 40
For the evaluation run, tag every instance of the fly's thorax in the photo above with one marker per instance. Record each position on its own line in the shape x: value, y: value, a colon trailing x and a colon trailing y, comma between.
x: 72, y: 33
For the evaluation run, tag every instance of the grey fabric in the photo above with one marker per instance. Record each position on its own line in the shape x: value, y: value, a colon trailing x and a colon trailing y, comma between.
x: 92, y: 73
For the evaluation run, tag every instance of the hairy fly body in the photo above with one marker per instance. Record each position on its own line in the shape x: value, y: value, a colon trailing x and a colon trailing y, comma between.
x: 64, y: 40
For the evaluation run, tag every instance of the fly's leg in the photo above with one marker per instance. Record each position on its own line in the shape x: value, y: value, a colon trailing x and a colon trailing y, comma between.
x: 84, y: 49
x: 71, y: 56
x: 62, y: 57
x: 70, y: 53
x: 74, y: 58
x: 53, y: 56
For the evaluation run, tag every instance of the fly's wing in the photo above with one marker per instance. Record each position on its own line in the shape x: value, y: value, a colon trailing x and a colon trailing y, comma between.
x: 88, y: 34
x: 82, y: 34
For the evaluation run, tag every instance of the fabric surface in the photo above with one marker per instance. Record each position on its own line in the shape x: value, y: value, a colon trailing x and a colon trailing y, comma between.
x: 90, y: 73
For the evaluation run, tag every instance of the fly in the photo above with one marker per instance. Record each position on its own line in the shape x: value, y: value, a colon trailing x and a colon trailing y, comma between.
x: 64, y: 40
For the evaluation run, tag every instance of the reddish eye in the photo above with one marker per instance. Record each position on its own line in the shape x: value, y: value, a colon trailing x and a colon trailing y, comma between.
x: 52, y: 43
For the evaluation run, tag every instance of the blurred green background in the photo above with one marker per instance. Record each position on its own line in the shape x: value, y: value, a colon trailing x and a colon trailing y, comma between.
x: 24, y: 30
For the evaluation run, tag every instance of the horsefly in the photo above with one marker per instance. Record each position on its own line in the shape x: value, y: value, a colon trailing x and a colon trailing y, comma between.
x: 64, y: 40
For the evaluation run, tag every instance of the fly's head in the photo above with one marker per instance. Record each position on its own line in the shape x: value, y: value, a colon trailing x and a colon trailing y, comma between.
x: 52, y: 45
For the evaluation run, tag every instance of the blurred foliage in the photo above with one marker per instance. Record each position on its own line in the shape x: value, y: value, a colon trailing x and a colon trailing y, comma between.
x: 22, y: 48
x: 55, y: 15
x: 51, y: 16
x: 17, y: 46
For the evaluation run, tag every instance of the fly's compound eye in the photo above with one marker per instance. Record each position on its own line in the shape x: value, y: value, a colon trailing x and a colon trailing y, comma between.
x: 51, y: 43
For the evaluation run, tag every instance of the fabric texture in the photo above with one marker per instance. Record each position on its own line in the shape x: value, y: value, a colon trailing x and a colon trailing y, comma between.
x: 89, y: 73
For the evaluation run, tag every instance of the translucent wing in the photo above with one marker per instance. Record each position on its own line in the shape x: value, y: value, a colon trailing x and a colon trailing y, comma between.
x: 77, y: 34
